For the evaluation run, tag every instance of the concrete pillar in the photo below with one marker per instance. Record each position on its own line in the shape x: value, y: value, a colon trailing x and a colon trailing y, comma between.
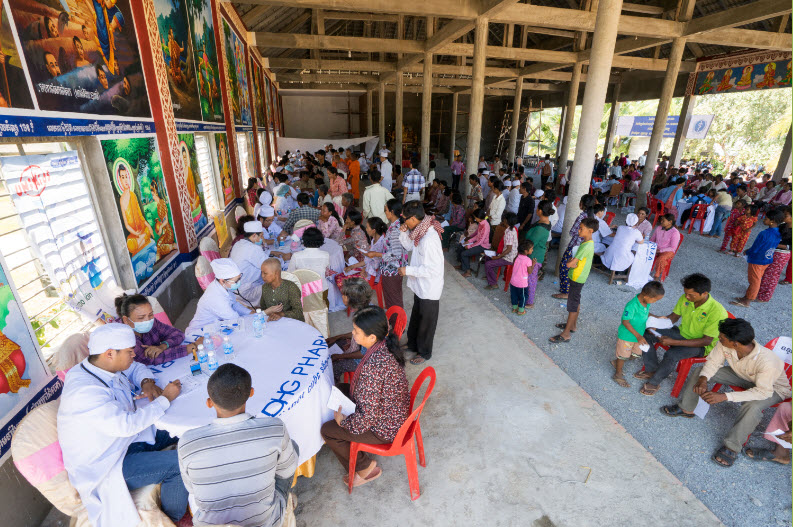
x: 597, y: 84
x: 381, y: 112
x: 453, y: 129
x: 398, y: 121
x: 569, y: 115
x: 513, y: 130
x: 613, y: 117
x: 369, y: 124
x: 667, y: 91
x: 689, y: 103
x: 477, y: 100
x: 783, y: 167
x: 426, y: 114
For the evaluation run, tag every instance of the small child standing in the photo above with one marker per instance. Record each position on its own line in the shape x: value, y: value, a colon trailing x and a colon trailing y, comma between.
x: 523, y: 283
x: 630, y: 335
x: 729, y: 227
x: 743, y: 228
x: 760, y: 255
x: 578, y: 271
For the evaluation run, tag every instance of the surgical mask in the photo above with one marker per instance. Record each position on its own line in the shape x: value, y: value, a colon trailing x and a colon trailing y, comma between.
x: 234, y: 286
x: 144, y: 327
x: 258, y: 242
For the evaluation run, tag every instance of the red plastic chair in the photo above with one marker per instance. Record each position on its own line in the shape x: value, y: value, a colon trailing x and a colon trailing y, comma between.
x: 684, y: 367
x: 401, y: 321
x: 698, y: 212
x: 507, y: 276
x: 609, y: 218
x: 665, y: 271
x: 657, y: 207
x: 788, y: 368
x: 406, y: 440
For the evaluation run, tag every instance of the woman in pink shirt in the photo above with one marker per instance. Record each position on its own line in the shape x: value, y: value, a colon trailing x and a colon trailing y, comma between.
x: 475, y: 244
x: 523, y: 283
x: 330, y: 223
x: 667, y: 237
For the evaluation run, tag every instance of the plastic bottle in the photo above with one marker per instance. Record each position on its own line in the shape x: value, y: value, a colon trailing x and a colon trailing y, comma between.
x: 228, y: 350
x: 209, y: 342
x: 212, y: 362
x: 258, y: 324
x: 202, y: 356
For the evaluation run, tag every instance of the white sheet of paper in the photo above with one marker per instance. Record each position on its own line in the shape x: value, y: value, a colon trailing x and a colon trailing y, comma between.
x: 351, y: 261
x: 659, y: 323
x: 782, y: 442
x: 645, y: 348
x: 702, y: 408
x: 337, y: 399
x: 654, y: 332
x: 191, y: 382
x: 445, y: 224
x: 490, y: 253
x: 335, y: 350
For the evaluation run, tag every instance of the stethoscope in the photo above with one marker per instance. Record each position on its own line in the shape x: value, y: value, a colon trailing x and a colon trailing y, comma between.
x: 95, y: 376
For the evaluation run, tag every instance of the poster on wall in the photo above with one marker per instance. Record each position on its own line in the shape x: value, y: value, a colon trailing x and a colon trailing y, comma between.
x: 268, y: 103
x: 176, y: 41
x: 51, y: 198
x: 198, y: 207
x: 237, y: 75
x: 199, y: 13
x: 258, y: 102
x: 139, y: 188
x: 25, y: 379
x: 11, y: 71
x: 82, y: 56
x: 224, y: 165
x: 744, y: 72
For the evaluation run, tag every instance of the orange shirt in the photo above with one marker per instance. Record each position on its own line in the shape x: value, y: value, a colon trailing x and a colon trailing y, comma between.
x: 355, y: 176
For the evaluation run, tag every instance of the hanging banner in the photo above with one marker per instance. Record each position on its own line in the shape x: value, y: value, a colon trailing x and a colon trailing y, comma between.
x: 199, y: 13
x: 82, y: 56
x: 11, y: 70
x: 642, y: 126
x: 294, y: 144
x: 25, y: 380
x: 741, y: 72
x: 224, y: 166
x: 139, y: 188
x: 50, y: 195
x: 237, y: 75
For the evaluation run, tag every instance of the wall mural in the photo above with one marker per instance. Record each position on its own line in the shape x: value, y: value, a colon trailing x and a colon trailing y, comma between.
x: 237, y: 76
x: 11, y: 70
x: 178, y: 51
x: 258, y: 102
x: 268, y: 108
x: 199, y: 12
x: 195, y: 190
x: 224, y: 165
x: 136, y: 174
x: 82, y: 56
x: 742, y: 72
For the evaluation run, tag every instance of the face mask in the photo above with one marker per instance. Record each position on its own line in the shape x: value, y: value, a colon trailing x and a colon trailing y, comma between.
x: 234, y: 286
x: 144, y: 327
x: 258, y: 242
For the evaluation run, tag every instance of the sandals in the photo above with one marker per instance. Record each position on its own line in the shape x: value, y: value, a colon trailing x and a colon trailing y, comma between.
x: 724, y: 457
x: 739, y: 303
x: 417, y: 360
x: 358, y: 481
x: 560, y: 296
x: 674, y: 410
x: 762, y: 454
x: 558, y: 339
x: 563, y: 325
x: 649, y: 389
x: 619, y: 380
x: 643, y: 375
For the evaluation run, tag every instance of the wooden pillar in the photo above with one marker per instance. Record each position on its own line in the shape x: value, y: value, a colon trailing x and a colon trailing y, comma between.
x: 513, y: 129
x: 683, y: 122
x: 569, y: 116
x: 398, y: 106
x: 369, y: 125
x: 613, y: 118
x: 477, y: 100
x: 426, y: 106
x: 453, y: 129
x: 783, y: 166
x: 381, y: 113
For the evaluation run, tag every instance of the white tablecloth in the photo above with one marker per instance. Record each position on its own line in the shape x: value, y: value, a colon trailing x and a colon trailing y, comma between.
x: 336, y: 253
x: 292, y: 380
x: 683, y: 206
x: 642, y: 264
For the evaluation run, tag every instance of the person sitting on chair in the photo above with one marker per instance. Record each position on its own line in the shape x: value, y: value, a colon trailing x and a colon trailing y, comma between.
x: 280, y: 298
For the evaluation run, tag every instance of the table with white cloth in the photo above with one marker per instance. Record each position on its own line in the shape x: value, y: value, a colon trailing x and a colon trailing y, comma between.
x: 642, y: 264
x: 292, y: 379
x: 683, y: 206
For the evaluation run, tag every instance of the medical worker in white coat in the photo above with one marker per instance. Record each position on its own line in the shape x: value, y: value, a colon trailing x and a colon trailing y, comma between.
x: 220, y: 300
x: 109, y: 442
x: 249, y: 255
x: 618, y: 256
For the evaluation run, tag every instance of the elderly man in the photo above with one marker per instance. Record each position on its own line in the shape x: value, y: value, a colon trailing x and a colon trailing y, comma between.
x: 219, y: 301
x: 280, y: 298
x: 110, y: 445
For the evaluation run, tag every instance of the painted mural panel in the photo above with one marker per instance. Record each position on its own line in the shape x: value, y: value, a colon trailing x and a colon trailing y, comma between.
x: 195, y: 190
x: 136, y: 174
x: 237, y: 76
x: 82, y: 56
x: 12, y: 74
x: 743, y: 72
x: 268, y: 103
x: 176, y: 41
x: 224, y: 165
x: 258, y: 102
x: 199, y: 13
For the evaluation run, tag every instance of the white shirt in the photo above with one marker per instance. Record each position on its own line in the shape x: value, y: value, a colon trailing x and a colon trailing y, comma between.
x: 425, y: 270
x: 721, y: 186
x: 554, y: 219
x: 603, y: 231
x: 615, y: 171
x: 497, y: 207
x: 642, y: 160
x: 385, y: 170
x: 497, y: 166
x: 485, y: 187
x: 513, y: 202
x: 97, y: 421
x: 558, y: 225
x: 430, y: 177
x: 364, y: 164
x: 272, y: 231
x: 313, y: 259
x: 216, y: 304
x: 374, y: 199
x: 249, y: 257
x: 482, y: 164
x: 618, y: 256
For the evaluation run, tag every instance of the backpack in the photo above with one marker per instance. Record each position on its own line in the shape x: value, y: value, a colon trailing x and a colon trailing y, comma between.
x: 546, y: 169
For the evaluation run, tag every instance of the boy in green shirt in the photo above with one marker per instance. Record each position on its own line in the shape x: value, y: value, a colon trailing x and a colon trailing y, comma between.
x: 579, y: 267
x: 630, y: 335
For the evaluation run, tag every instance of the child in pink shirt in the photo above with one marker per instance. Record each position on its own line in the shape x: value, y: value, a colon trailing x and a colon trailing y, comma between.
x: 523, y: 283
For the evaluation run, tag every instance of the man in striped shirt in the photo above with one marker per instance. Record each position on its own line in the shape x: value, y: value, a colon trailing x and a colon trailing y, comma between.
x: 237, y: 469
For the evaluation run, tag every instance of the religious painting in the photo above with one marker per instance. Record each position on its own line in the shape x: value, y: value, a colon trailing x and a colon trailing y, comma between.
x: 199, y: 13
x: 12, y: 73
x: 280, y: 114
x: 258, y: 102
x: 142, y: 200
x: 82, y: 56
x: 195, y: 189
x: 253, y: 161
x: 237, y: 75
x: 268, y: 105
x: 224, y: 166
x: 176, y: 41
x: 742, y: 72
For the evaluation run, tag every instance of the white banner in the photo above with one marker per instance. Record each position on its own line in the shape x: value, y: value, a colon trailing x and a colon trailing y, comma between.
x: 312, y: 145
x: 698, y: 126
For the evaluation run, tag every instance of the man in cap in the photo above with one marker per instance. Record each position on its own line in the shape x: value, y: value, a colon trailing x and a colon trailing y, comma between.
x: 110, y: 445
x: 249, y: 254
x: 279, y: 298
x: 385, y: 170
x: 219, y: 301
x: 272, y: 231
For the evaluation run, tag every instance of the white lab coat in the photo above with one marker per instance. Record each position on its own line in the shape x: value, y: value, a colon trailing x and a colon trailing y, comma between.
x: 618, y: 256
x: 249, y: 257
x: 513, y: 202
x: 385, y: 171
x: 603, y: 231
x: 216, y: 304
x: 96, y: 424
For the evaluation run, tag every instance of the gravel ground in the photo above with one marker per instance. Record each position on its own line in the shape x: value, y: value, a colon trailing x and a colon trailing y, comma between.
x: 749, y: 493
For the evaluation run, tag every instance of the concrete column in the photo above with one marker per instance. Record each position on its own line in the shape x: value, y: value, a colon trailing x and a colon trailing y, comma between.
x: 369, y: 124
x: 453, y: 129
x: 569, y: 115
x: 477, y: 100
x: 381, y: 112
x: 513, y: 130
x: 426, y: 114
x: 689, y: 103
x: 783, y: 167
x: 667, y: 91
x: 597, y: 84
x: 398, y: 121
x: 613, y: 117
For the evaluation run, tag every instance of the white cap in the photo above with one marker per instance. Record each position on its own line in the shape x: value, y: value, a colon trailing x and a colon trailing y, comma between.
x: 266, y: 211
x: 485, y: 172
x: 384, y: 152
x: 538, y: 193
x: 111, y: 337
x: 225, y: 268
x: 631, y: 220
x: 266, y: 198
x: 253, y: 227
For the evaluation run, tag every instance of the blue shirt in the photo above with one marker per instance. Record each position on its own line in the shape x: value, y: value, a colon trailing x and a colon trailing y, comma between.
x: 664, y: 193
x: 762, y: 250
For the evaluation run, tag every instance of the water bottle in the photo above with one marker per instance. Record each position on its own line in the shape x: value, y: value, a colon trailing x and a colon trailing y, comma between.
x: 228, y: 350
x: 209, y: 342
x: 258, y: 324
x: 202, y: 356
x: 212, y: 362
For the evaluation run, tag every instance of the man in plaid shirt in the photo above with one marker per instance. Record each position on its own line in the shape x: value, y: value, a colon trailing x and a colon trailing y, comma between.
x: 413, y: 183
x: 304, y: 211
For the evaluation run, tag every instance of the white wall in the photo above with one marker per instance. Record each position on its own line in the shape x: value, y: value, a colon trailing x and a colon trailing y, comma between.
x: 321, y: 116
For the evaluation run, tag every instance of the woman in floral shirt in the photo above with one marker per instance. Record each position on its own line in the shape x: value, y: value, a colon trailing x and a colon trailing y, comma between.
x: 379, y: 389
x: 357, y: 243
